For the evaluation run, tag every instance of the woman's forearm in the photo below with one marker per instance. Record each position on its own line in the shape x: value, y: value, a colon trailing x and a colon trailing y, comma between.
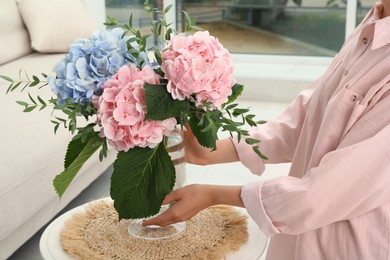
x: 228, y: 195
x: 225, y: 152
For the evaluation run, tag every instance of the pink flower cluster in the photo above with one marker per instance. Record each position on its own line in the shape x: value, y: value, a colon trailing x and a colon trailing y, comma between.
x: 121, y: 110
x: 198, y: 64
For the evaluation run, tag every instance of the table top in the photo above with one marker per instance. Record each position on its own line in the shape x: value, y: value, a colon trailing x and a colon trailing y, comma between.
x: 51, y: 249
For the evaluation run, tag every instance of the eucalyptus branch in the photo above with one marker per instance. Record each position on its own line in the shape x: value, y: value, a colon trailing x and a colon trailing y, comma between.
x: 36, y: 81
x: 73, y: 111
x: 228, y: 124
x: 156, y: 31
x: 191, y: 23
x: 36, y: 103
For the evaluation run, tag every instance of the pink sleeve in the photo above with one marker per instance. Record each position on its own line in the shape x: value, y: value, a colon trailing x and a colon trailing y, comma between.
x: 278, y: 137
x: 348, y: 182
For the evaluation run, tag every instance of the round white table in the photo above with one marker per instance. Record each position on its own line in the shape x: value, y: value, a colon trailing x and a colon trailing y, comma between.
x: 51, y: 249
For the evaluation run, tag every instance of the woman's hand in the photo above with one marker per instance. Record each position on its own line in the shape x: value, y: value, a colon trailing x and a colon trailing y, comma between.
x: 191, y: 199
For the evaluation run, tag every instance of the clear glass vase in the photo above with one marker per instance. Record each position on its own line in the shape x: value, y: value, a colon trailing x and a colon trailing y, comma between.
x: 175, y: 146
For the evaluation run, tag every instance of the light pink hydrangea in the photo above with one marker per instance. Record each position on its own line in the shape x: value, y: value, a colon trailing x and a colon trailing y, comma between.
x: 198, y: 64
x: 121, y: 110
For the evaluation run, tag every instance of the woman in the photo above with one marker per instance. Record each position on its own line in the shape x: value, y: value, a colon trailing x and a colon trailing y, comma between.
x: 335, y: 203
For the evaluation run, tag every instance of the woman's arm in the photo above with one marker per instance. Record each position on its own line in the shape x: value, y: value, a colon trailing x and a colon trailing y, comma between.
x: 197, y: 154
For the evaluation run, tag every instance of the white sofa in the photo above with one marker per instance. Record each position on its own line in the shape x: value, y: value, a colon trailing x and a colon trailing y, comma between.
x: 31, y: 155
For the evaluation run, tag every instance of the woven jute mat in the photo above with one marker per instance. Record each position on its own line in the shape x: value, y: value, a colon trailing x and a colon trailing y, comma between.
x: 97, y: 234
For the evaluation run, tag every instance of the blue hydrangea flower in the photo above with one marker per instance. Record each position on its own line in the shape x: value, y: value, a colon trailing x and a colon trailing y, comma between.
x: 89, y: 63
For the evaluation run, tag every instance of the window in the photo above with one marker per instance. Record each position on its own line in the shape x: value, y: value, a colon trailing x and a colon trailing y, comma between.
x: 279, y: 27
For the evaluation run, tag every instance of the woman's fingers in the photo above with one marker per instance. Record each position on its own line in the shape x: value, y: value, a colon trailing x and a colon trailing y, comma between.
x: 186, y: 204
x: 171, y: 197
x: 164, y: 219
x: 161, y: 220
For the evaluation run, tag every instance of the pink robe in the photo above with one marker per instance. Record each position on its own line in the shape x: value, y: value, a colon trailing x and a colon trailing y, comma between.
x: 335, y: 203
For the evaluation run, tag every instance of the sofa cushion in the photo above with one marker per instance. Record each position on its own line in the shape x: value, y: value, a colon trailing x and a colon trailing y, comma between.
x: 15, y: 41
x: 56, y: 25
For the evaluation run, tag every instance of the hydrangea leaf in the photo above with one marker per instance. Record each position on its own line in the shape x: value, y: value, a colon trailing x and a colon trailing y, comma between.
x: 141, y: 179
x: 74, y: 149
x: 160, y: 104
x: 205, y: 129
x: 74, y: 163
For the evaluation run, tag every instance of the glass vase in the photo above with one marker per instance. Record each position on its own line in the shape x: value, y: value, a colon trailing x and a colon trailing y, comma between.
x: 175, y: 147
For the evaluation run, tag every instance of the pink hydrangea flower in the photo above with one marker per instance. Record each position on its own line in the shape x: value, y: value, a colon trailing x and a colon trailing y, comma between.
x: 121, y: 110
x: 198, y: 64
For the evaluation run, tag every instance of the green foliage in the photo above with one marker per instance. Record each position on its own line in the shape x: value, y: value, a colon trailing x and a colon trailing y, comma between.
x: 205, y: 126
x: 77, y: 154
x: 161, y: 30
x: 160, y: 104
x: 70, y: 109
x: 191, y: 23
x: 16, y: 83
x: 141, y: 179
x: 36, y: 81
x: 237, y: 90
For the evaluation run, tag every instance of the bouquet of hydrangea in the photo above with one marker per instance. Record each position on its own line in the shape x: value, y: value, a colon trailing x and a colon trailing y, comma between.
x: 133, y: 96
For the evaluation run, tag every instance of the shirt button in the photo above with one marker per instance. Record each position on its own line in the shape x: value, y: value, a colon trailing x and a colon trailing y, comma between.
x: 346, y: 72
x: 365, y: 40
x: 353, y: 98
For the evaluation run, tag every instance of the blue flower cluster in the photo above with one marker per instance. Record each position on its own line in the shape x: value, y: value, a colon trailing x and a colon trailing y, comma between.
x: 89, y: 63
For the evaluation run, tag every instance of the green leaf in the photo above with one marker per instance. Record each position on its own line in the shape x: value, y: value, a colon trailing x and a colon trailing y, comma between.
x: 22, y: 103
x: 74, y: 149
x: 29, y: 109
x: 9, y: 88
x: 32, y: 100
x: 240, y: 111
x: 252, y: 141
x: 257, y: 151
x: 168, y: 34
x: 131, y: 21
x: 56, y: 128
x: 250, y: 121
x: 188, y: 18
x: 33, y: 83
x: 62, y: 181
x: 47, y: 83
x: 166, y: 10
x: 261, y: 122
x: 112, y: 21
x: 157, y: 55
x: 35, y: 79
x: 237, y: 90
x: 141, y: 179
x: 230, y: 128
x: 15, y: 86
x: 160, y: 105
x: 41, y: 101
x: 6, y: 78
x: 207, y: 139
x: 231, y: 106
